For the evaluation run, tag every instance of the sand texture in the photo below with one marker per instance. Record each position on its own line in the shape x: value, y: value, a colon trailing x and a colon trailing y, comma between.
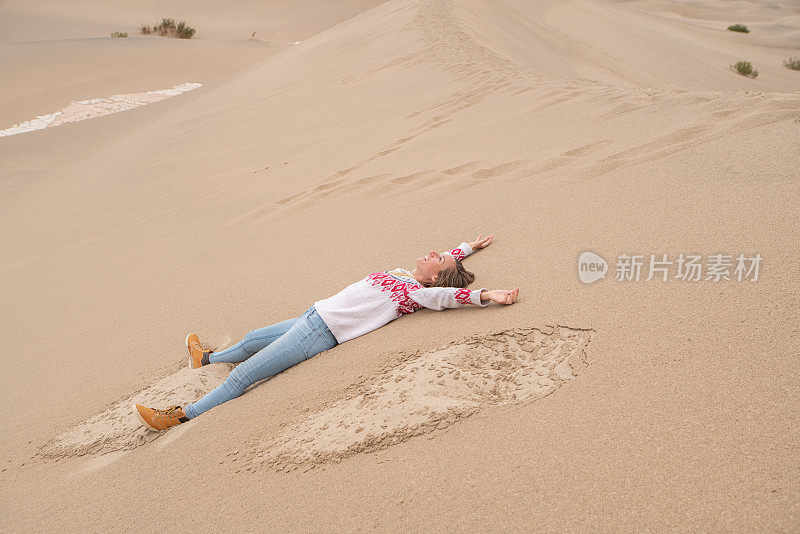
x: 353, y: 136
x: 431, y: 391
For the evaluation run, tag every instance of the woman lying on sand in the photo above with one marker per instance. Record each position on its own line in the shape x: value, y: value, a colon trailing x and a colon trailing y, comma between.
x: 439, y: 281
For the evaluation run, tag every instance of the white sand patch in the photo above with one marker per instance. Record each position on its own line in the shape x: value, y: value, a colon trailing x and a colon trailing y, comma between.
x: 119, y: 429
x: 431, y: 391
x: 96, y: 107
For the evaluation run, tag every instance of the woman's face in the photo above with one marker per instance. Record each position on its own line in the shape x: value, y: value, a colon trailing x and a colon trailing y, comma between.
x: 433, y: 262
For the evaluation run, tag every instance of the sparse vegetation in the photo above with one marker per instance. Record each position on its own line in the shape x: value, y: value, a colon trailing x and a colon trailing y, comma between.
x: 119, y: 34
x: 168, y: 28
x: 792, y: 63
x: 745, y: 68
x: 184, y: 31
x: 738, y: 28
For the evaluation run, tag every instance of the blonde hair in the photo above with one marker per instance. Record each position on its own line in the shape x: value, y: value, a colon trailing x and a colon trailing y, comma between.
x: 456, y: 276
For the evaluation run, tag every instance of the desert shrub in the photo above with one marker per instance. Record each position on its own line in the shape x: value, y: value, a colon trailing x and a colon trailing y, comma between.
x: 184, y: 31
x: 165, y: 27
x: 792, y: 63
x: 745, y: 68
x: 738, y: 28
x: 119, y: 34
x: 168, y: 28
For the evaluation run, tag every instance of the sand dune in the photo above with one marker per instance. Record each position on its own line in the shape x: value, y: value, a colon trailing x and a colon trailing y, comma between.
x: 673, y: 45
x: 59, y: 52
x: 273, y: 20
x: 394, y: 127
x: 48, y: 75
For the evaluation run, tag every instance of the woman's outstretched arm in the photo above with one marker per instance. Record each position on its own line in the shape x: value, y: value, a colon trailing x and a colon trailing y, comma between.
x: 439, y: 298
x: 468, y: 247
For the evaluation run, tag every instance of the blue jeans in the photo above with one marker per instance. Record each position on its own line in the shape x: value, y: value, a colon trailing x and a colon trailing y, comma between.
x: 266, y: 352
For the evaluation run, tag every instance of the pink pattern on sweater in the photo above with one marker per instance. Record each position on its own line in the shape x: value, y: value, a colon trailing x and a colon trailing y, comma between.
x: 463, y: 296
x: 458, y: 254
x: 398, y: 291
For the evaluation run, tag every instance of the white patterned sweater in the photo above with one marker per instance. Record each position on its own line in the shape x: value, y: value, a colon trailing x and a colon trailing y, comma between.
x: 384, y: 296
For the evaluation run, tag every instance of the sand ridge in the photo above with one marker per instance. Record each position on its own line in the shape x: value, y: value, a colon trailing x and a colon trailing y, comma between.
x: 706, y: 116
x: 484, y: 73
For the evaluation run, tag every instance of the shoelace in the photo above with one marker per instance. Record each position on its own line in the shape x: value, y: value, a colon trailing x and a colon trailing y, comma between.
x: 169, y: 413
x: 197, y: 346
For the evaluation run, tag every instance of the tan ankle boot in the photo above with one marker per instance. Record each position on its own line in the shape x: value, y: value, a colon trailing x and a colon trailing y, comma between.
x: 161, y: 419
x: 198, y: 356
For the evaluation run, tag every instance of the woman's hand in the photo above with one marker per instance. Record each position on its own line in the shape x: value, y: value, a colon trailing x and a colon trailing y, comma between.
x: 500, y: 296
x: 481, y: 242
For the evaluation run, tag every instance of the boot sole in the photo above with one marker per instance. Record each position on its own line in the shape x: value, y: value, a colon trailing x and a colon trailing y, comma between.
x: 191, y: 360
